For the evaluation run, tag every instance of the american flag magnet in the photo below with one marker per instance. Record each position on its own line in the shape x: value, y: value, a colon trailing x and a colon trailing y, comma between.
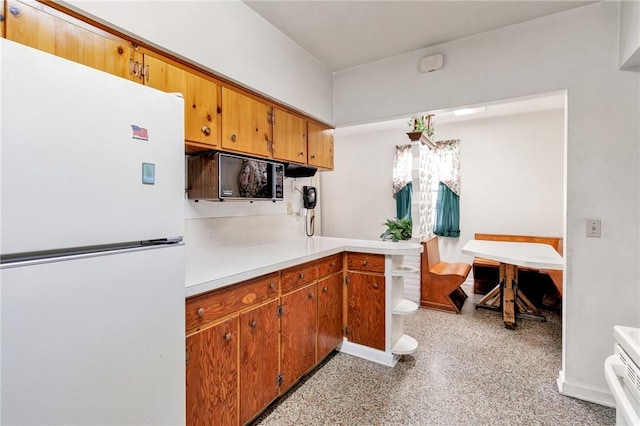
x: 139, y: 133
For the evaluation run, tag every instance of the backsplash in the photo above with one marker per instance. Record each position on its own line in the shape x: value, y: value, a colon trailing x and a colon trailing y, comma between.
x: 215, y: 225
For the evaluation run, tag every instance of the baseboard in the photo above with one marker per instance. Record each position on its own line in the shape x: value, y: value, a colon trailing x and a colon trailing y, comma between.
x: 369, y: 354
x: 584, y: 393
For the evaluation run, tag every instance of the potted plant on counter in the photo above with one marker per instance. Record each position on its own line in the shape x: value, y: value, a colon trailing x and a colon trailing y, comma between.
x: 398, y: 229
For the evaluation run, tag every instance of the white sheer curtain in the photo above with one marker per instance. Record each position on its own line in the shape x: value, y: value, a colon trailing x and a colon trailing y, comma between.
x: 442, y: 163
x: 425, y: 174
x: 402, y: 162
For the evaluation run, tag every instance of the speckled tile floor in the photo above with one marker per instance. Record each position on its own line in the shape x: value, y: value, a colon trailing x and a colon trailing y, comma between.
x: 468, y: 370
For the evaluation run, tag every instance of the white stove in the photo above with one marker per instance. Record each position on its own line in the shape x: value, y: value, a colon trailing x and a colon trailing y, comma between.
x: 622, y: 371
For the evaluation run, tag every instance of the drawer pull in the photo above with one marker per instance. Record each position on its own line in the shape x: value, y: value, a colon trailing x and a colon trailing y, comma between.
x: 364, y: 263
x: 253, y: 324
x: 201, y: 312
x: 272, y: 286
x: 332, y: 264
x: 311, y: 295
x: 227, y: 337
x: 302, y: 275
x: 375, y: 285
x: 325, y: 289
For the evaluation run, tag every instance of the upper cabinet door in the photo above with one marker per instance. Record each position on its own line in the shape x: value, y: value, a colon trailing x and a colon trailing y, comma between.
x: 42, y: 28
x: 202, y: 123
x: 246, y: 124
x: 320, y: 146
x: 289, y: 137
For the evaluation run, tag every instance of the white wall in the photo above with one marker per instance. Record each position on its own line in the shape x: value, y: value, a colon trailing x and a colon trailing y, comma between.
x: 575, y: 50
x: 512, y: 177
x: 358, y: 193
x: 228, y: 38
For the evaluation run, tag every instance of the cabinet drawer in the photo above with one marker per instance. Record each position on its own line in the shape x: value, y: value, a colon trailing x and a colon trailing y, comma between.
x: 297, y: 276
x: 329, y: 265
x: 365, y: 262
x: 205, y: 308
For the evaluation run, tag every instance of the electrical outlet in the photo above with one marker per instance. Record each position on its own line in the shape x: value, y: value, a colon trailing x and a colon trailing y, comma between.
x: 289, y: 208
x: 594, y: 228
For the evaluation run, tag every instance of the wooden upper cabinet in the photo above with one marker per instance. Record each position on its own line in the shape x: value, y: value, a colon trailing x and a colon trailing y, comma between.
x: 289, y: 137
x: 202, y: 119
x: 246, y: 124
x: 320, y: 146
x: 2, y: 18
x: 38, y: 26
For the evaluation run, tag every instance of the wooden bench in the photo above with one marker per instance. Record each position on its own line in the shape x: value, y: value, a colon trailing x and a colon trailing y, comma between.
x: 485, y: 271
x: 440, y: 281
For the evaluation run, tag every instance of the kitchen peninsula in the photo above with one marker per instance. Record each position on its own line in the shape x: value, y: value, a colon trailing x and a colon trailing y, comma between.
x: 259, y: 317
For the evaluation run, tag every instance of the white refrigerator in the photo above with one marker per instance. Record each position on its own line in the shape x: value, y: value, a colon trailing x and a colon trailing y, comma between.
x: 91, y: 251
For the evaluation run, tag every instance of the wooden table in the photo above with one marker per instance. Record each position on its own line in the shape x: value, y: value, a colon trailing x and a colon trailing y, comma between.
x: 505, y: 296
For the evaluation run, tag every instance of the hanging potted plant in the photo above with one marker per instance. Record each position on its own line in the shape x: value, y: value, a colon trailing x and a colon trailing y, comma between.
x: 420, y: 124
x: 398, y: 229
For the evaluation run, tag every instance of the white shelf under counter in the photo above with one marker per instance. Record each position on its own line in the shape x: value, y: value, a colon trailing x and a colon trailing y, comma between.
x: 405, y: 345
x: 404, y: 270
x: 405, y: 307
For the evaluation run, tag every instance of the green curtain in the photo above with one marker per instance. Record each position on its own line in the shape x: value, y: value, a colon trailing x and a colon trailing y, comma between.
x: 447, y: 212
x: 403, y: 201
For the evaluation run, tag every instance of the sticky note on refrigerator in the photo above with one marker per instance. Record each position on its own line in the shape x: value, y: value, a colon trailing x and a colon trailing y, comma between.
x: 148, y: 173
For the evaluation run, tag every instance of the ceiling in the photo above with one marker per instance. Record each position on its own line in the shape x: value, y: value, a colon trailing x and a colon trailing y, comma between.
x: 344, y: 34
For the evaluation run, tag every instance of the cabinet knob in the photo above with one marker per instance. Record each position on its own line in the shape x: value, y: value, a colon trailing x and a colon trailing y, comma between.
x: 332, y: 264
x: 313, y: 157
x: 206, y: 130
x: 375, y: 285
x: 325, y: 289
x: 233, y: 138
x: 301, y: 275
x: 301, y: 153
x: 273, y: 286
x: 227, y: 337
x: 311, y: 295
x: 253, y: 324
x: 201, y: 312
x: 364, y: 263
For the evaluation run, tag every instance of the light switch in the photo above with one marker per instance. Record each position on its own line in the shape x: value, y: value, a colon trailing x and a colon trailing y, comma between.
x: 594, y: 228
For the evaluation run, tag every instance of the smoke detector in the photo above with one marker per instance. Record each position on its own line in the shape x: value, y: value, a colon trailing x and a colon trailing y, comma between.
x: 431, y: 63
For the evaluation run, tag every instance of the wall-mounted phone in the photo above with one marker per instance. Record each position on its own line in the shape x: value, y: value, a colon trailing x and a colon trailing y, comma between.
x: 309, y: 200
x: 309, y: 197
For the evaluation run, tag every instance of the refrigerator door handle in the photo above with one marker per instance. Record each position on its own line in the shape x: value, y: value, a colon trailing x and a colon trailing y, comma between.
x: 161, y: 241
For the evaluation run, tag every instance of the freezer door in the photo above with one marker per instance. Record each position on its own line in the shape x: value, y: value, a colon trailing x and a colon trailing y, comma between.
x: 76, y: 169
x: 95, y: 340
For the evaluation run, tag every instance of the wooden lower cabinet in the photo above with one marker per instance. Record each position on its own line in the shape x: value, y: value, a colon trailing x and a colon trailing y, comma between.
x: 212, y: 375
x: 366, y: 309
x: 298, y: 333
x: 329, y: 314
x: 259, y: 369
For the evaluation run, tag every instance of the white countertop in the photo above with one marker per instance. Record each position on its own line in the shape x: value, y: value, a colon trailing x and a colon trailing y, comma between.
x: 209, y: 271
x: 533, y: 255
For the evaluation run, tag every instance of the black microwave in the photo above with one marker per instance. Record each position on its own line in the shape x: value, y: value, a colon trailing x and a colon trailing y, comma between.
x: 221, y: 176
